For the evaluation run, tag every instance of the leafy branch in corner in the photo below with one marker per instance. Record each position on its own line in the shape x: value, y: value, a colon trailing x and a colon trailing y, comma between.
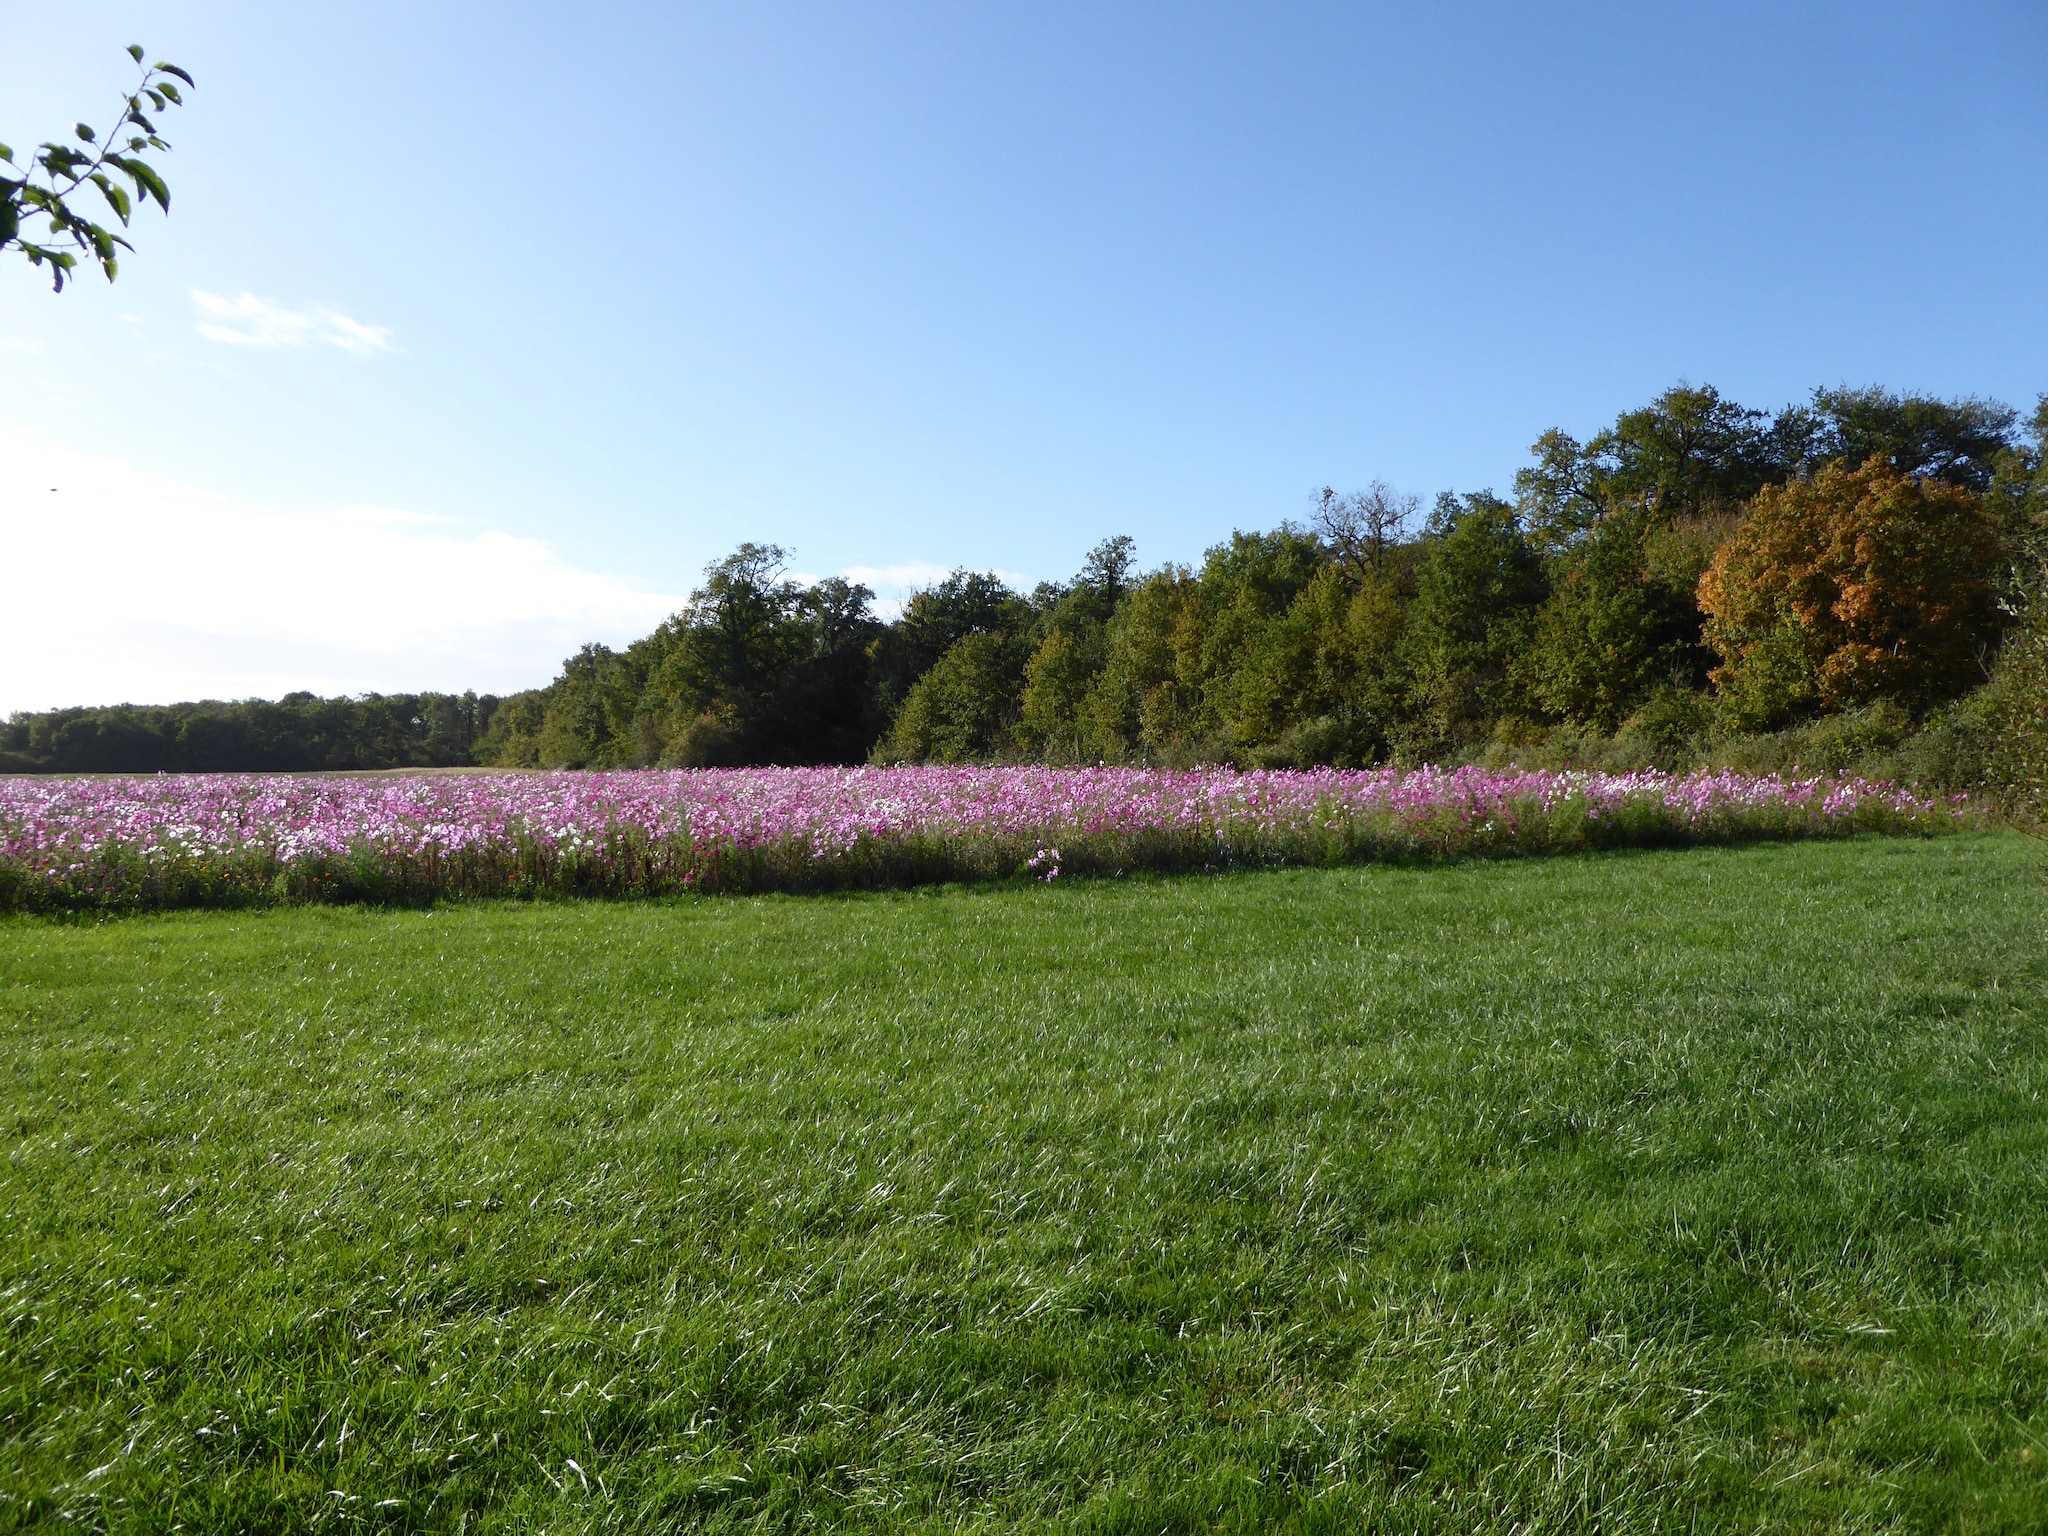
x: 58, y: 174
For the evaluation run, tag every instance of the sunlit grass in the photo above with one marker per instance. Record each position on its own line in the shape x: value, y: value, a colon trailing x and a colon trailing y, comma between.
x: 1704, y: 1188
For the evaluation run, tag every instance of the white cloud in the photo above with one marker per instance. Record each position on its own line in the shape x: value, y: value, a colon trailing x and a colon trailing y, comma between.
x: 126, y: 586
x: 247, y: 321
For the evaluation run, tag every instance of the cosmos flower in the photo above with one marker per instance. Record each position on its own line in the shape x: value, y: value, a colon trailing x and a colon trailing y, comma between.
x: 676, y: 829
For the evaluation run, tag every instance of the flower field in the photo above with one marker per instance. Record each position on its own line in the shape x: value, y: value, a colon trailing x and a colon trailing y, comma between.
x: 212, y: 839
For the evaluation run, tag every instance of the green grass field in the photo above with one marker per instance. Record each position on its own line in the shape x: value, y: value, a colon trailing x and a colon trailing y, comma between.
x: 1688, y: 1190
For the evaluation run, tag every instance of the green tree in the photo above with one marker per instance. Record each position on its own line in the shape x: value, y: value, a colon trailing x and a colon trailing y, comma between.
x: 2015, y: 703
x: 513, y: 737
x: 1051, y: 723
x: 588, y: 721
x: 1228, y: 653
x: 1688, y: 453
x: 1609, y: 634
x: 1327, y: 673
x: 51, y: 188
x: 1138, y: 707
x: 1072, y: 631
x: 723, y: 658
x: 1105, y: 578
x: 1477, y: 589
x: 933, y: 622
x: 965, y: 708
x: 2017, y: 500
x: 757, y: 669
x: 297, y: 733
x: 761, y: 669
x: 1956, y: 441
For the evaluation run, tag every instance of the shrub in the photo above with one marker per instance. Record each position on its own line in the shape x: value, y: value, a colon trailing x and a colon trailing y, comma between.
x: 2008, y: 718
x: 1666, y: 732
x: 1860, y: 740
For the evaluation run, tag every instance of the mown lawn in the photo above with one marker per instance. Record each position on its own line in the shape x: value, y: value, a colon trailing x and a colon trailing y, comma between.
x: 1707, y: 1188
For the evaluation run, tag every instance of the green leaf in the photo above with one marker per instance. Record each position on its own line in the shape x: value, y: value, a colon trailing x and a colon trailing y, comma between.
x: 116, y: 198
x: 61, y: 161
x: 83, y: 132
x: 147, y: 182
x: 60, y: 262
x: 135, y: 52
x: 6, y: 154
x: 172, y: 69
x: 156, y: 98
x: 169, y: 91
x: 10, y: 222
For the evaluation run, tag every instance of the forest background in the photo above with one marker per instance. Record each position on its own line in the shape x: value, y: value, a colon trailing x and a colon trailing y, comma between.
x: 1853, y: 583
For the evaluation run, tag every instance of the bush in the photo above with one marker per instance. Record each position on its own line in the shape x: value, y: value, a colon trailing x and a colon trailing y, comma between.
x: 1863, y: 741
x: 2006, y: 722
x: 1666, y: 732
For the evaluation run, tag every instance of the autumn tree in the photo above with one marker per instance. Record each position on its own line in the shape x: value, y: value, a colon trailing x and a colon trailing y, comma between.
x: 1853, y: 585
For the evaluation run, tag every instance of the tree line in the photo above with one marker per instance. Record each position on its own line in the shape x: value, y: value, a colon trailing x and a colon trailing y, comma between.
x: 1696, y: 571
x: 1696, y: 575
x: 299, y: 733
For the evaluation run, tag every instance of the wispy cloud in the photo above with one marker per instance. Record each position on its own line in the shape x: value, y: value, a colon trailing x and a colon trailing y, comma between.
x: 247, y: 321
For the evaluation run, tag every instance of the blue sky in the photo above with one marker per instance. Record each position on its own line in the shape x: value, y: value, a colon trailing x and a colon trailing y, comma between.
x: 536, y: 300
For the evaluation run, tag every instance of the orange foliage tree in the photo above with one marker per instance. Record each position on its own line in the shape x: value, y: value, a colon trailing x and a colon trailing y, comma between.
x: 1851, y: 586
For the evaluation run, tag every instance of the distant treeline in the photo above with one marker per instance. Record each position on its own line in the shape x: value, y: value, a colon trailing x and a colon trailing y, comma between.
x: 1696, y: 574
x: 296, y: 734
